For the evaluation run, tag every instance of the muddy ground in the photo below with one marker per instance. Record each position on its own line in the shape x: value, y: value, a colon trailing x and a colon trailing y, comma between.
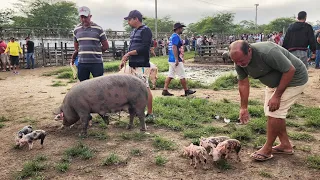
x: 30, y: 98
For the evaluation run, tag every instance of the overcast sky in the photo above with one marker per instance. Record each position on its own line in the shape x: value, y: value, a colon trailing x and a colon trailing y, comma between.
x: 110, y: 13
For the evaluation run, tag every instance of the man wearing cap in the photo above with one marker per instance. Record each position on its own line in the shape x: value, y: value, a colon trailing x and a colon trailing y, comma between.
x: 14, y: 50
x: 138, y: 53
x: 30, y: 51
x: 90, y: 42
x: 3, y: 57
x: 176, y: 66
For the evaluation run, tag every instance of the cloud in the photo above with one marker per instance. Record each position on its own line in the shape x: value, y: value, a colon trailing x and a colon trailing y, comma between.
x: 110, y: 13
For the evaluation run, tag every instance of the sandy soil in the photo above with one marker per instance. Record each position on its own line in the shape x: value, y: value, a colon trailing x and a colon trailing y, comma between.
x: 29, y: 95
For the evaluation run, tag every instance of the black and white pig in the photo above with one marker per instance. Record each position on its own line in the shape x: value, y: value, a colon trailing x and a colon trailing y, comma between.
x: 106, y: 94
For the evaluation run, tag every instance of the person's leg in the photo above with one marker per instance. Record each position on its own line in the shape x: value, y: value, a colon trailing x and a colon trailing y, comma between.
x: 28, y: 60
x: 17, y: 64
x: 274, y: 125
x: 12, y: 62
x: 96, y: 69
x: 3, y: 61
x: 83, y: 72
x: 170, y: 76
x: 182, y: 75
x: 32, y: 60
x: 317, y: 59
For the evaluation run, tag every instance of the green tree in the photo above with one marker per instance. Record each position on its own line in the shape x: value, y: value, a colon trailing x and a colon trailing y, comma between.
x: 5, y: 16
x: 219, y: 23
x: 44, y: 13
x: 280, y: 23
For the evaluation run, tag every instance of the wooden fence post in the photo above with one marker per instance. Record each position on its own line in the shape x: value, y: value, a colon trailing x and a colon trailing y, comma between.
x: 43, y: 52
x: 61, y: 45
x: 66, y: 53
x: 23, y: 56
x: 49, y: 53
x: 56, y: 53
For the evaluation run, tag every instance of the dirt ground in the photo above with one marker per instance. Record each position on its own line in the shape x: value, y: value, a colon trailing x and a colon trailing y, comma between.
x: 30, y: 96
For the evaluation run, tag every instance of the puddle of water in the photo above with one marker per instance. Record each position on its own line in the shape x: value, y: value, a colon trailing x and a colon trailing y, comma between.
x: 206, y: 75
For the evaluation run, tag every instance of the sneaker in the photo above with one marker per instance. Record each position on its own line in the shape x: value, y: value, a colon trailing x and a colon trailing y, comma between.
x: 166, y: 93
x: 189, y: 92
x: 149, y: 118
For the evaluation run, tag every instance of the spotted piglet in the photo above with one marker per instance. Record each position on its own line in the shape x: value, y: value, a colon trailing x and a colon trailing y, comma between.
x: 224, y: 149
x: 210, y: 142
x: 196, y: 154
x: 33, y: 136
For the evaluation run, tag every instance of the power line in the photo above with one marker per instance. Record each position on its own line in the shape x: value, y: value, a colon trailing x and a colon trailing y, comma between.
x: 234, y: 7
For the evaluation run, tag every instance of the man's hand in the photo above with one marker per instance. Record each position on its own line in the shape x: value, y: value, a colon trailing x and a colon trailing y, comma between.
x: 244, y: 116
x: 274, y: 103
x: 177, y: 63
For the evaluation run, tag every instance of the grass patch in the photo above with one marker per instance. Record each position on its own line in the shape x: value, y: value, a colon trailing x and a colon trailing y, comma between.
x: 223, y: 165
x: 175, y: 83
x: 255, y: 83
x: 57, y: 84
x: 112, y: 159
x: 265, y: 174
x: 160, y: 161
x: 259, y: 141
x: 63, y: 167
x: 163, y: 144
x: 72, y: 81
x: 304, y: 148
x: 100, y: 135
x: 254, y: 102
x: 80, y: 150
x: 205, y: 131
x: 224, y: 82
x: 65, y: 75
x: 301, y: 136
x: 32, y: 168
x: 258, y: 125
x: 56, y: 72
x: 242, y: 134
x: 256, y: 111
x: 3, y: 119
x: 313, y: 161
x: 137, y: 136
x: 136, y: 152
x: 112, y: 66
x: 173, y: 125
x: 292, y: 124
x: 310, y: 114
x: 1, y: 125
x: 29, y: 121
x: 100, y: 121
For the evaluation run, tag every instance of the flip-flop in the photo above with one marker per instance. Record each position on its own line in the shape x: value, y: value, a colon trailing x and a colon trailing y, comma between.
x: 265, y: 157
x: 279, y: 151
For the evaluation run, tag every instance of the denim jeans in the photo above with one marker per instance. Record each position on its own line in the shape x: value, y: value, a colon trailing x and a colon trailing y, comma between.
x: 317, y: 58
x: 30, y: 57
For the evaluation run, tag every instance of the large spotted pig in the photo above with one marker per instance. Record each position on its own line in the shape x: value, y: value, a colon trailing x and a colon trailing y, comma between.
x: 106, y: 94
x: 225, y: 148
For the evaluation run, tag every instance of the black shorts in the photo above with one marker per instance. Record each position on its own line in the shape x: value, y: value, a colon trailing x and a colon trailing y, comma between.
x: 14, y: 60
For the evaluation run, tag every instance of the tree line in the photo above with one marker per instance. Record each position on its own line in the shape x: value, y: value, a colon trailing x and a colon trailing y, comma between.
x: 63, y: 14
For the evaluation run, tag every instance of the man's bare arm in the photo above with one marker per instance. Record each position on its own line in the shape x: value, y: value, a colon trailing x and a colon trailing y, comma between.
x: 75, y: 53
x: 105, y: 45
x: 244, y: 89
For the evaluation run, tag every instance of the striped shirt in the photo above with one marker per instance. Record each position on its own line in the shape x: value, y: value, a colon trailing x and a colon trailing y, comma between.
x: 89, y: 40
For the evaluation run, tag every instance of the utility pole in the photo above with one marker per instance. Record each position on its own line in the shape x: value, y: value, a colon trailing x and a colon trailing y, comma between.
x: 256, y: 16
x: 156, y: 19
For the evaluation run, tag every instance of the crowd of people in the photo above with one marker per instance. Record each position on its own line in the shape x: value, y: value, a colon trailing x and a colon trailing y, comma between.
x: 11, y: 53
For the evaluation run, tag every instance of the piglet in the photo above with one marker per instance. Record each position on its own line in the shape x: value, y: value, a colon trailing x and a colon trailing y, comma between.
x: 33, y: 136
x: 210, y: 142
x: 24, y: 131
x: 225, y: 148
x: 196, y: 154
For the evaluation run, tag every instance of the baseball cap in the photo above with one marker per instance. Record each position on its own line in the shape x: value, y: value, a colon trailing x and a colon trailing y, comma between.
x: 84, y: 11
x: 134, y: 14
x: 177, y: 26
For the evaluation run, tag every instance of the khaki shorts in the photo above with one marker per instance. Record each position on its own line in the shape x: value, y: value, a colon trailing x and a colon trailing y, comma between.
x: 288, y: 98
x: 176, y: 70
x: 4, y: 59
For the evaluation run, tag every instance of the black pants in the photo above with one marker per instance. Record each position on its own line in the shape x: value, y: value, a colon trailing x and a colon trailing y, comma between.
x: 84, y: 70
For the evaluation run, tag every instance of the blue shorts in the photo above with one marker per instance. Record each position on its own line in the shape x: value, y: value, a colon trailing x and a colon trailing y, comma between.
x: 84, y: 70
